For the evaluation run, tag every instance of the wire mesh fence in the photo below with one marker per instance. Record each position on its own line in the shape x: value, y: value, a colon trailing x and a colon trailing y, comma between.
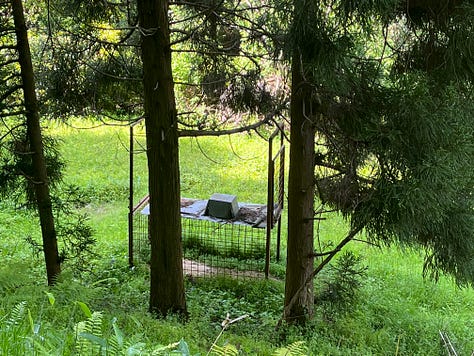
x: 243, y: 246
x: 234, y: 247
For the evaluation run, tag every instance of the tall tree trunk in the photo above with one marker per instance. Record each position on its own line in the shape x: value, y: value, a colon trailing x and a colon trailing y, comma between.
x: 40, y: 178
x: 300, y: 258
x: 166, y: 268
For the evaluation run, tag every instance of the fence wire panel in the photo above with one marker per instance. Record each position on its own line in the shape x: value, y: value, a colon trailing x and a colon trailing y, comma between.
x: 213, y: 248
x: 243, y: 246
x: 141, y: 241
x: 278, y: 183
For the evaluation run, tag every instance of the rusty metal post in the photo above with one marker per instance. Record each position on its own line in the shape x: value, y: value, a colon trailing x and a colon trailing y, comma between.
x: 130, y: 200
x: 281, y: 192
x: 270, y: 186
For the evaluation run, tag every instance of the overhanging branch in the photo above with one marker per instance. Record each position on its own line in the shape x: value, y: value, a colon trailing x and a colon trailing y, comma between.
x: 251, y: 127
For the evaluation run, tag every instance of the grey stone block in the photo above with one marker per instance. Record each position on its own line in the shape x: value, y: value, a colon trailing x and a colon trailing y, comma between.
x: 222, y: 206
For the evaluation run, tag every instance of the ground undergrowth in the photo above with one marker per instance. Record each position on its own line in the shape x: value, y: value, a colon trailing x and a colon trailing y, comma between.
x: 385, y: 308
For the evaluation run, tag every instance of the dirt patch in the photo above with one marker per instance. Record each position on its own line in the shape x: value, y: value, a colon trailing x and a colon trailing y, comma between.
x: 197, y: 269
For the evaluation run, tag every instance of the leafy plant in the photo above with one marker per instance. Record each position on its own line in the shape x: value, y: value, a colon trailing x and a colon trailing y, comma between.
x: 91, y: 339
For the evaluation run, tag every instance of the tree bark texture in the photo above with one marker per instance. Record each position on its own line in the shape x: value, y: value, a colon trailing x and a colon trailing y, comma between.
x: 40, y: 178
x: 166, y: 269
x: 300, y: 252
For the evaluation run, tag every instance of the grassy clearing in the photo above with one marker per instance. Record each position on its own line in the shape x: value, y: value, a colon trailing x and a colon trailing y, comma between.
x: 394, y: 312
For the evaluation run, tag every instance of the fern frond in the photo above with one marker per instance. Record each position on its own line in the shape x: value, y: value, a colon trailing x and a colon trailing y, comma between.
x: 113, y: 347
x: 14, y: 331
x: 89, y: 340
x: 297, y: 348
x: 16, y: 316
x: 226, y: 350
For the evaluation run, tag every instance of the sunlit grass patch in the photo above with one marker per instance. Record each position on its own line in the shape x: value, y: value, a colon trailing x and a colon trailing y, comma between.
x: 396, y: 311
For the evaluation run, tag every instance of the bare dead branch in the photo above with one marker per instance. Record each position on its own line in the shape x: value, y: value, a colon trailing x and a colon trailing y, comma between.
x: 316, y: 218
x: 9, y: 92
x: 228, y: 53
x: 10, y: 61
x: 318, y: 269
x: 109, y: 75
x: 12, y: 114
x: 251, y: 127
x: 10, y: 130
x: 7, y: 47
x: 10, y: 77
x: 321, y: 254
x: 367, y: 242
x: 7, y: 31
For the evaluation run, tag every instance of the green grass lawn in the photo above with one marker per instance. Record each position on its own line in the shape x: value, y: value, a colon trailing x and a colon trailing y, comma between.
x: 394, y: 311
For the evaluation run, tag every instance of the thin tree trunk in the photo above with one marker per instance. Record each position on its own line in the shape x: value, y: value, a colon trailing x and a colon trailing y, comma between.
x: 40, y: 178
x: 166, y: 269
x: 300, y: 252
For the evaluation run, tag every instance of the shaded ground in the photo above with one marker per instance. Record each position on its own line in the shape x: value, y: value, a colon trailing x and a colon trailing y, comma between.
x: 197, y: 269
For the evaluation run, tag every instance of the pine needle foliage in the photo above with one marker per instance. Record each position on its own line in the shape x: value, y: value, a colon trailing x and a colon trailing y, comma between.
x: 16, y: 158
x: 340, y: 284
x: 392, y: 106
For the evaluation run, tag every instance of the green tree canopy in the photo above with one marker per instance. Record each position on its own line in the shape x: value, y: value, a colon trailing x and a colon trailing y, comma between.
x: 89, y: 55
x: 391, y: 104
